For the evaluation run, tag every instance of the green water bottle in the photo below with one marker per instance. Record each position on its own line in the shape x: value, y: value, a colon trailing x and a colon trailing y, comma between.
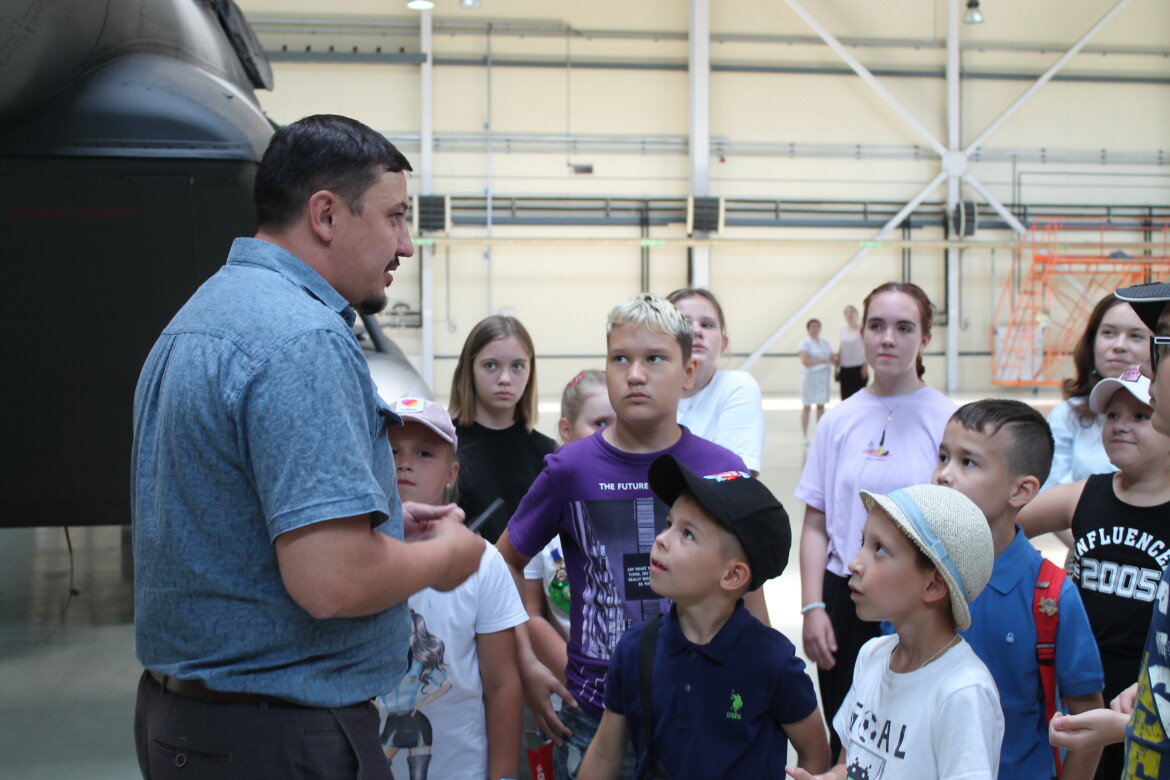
x: 558, y: 587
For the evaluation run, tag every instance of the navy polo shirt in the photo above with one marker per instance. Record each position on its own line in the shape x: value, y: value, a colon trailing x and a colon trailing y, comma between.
x: 718, y: 708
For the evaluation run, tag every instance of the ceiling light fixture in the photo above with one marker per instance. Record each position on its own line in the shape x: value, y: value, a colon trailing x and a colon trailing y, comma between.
x: 973, y: 15
x: 420, y: 5
x: 470, y: 3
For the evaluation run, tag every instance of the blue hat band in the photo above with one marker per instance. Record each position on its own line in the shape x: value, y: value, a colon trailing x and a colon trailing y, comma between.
x: 930, y: 541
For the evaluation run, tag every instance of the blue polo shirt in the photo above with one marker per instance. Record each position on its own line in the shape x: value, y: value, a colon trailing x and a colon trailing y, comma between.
x: 718, y: 708
x: 1003, y: 635
x: 254, y: 415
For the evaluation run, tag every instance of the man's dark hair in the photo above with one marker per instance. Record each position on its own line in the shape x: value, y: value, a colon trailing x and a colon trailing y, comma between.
x: 1030, y: 451
x: 322, y: 152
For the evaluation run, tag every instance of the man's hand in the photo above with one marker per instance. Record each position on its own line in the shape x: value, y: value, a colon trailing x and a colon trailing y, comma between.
x: 465, y: 549
x: 417, y: 518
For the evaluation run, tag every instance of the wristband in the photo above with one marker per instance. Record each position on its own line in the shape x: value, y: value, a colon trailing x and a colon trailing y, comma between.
x: 810, y: 607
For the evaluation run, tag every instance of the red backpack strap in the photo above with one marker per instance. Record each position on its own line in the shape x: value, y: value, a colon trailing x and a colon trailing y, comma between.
x: 1046, y: 612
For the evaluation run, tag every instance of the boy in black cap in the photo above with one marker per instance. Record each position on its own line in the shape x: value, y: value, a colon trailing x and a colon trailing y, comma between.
x: 726, y: 693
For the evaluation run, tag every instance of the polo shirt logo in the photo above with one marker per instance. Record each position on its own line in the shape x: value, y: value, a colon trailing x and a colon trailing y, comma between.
x: 736, y: 706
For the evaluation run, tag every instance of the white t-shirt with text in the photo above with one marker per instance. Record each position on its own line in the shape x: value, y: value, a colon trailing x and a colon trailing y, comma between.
x: 940, y: 722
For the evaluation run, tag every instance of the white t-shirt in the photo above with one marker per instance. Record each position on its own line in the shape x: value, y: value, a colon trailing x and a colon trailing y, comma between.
x: 485, y: 603
x: 548, y: 566
x: 730, y: 412
x: 1078, y: 451
x: 869, y: 443
x: 938, y: 722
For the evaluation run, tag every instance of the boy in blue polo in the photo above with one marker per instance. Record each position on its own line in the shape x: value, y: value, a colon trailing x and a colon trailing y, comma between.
x: 998, y: 453
x: 726, y: 692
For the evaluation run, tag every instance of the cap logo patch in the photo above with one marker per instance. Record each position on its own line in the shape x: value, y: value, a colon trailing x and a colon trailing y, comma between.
x: 727, y: 476
x: 1131, y: 374
x: 408, y: 404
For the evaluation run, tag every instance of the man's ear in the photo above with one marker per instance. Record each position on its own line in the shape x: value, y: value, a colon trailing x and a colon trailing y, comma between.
x: 1024, y: 490
x: 322, y: 209
x: 737, y: 575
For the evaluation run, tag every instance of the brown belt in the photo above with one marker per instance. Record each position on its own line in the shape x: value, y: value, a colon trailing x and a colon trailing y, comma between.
x: 197, y: 690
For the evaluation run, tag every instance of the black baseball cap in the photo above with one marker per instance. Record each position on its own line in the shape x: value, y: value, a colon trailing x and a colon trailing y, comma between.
x: 1148, y: 300
x: 740, y: 503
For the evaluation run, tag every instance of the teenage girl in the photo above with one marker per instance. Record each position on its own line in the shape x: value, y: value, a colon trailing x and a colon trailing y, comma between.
x: 881, y: 439
x: 1121, y: 537
x: 457, y: 712
x: 585, y: 409
x: 1114, y: 339
x: 493, y: 404
x: 723, y: 406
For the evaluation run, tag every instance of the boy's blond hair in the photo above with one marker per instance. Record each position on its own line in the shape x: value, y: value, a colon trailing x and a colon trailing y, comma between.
x: 655, y: 314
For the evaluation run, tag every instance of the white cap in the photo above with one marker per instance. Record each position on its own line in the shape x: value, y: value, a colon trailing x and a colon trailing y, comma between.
x: 1133, y: 380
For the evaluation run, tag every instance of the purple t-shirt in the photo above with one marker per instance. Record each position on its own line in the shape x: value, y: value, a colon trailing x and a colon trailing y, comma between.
x: 598, y: 499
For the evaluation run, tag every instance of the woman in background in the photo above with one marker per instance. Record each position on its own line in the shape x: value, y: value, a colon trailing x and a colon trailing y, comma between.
x: 852, y: 373
x: 1114, y: 339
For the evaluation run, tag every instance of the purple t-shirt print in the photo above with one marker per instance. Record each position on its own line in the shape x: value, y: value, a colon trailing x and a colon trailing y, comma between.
x: 598, y: 499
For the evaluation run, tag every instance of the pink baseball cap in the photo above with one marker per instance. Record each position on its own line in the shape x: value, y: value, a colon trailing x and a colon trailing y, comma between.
x: 415, y: 408
x: 1133, y: 380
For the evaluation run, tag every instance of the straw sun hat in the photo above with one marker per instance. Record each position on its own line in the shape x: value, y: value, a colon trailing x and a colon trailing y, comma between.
x: 951, y: 530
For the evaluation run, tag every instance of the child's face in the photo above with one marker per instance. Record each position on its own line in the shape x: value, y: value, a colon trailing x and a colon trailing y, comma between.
x: 596, y: 413
x: 645, y: 374
x: 688, y: 560
x: 423, y: 463
x: 1160, y: 386
x: 893, y: 334
x: 886, y: 581
x: 501, y: 371
x: 976, y: 465
x: 709, y: 342
x: 1122, y: 341
x: 1129, y: 435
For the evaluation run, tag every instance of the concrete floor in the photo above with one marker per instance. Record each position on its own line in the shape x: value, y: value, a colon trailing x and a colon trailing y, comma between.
x: 67, y: 666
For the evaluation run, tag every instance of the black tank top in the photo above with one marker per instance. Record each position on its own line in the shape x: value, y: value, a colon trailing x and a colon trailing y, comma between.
x: 1120, y: 553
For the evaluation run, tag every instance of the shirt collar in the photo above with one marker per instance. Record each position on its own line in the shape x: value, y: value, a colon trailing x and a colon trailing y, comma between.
x: 720, y: 647
x: 254, y: 251
x: 1012, y: 563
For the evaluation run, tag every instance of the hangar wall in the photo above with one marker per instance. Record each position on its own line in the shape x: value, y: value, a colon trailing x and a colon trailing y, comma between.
x: 553, y: 84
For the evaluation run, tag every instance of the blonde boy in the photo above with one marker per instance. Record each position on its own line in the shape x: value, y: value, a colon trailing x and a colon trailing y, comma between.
x: 594, y: 493
x: 726, y: 691
x: 922, y: 705
x: 997, y: 452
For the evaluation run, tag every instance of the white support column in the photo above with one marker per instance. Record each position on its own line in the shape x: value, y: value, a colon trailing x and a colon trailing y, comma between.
x: 797, y: 315
x: 954, y: 165
x: 699, y: 272
x: 426, y: 162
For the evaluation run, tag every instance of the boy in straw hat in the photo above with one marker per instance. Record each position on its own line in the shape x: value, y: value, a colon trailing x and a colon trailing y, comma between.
x: 922, y: 705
